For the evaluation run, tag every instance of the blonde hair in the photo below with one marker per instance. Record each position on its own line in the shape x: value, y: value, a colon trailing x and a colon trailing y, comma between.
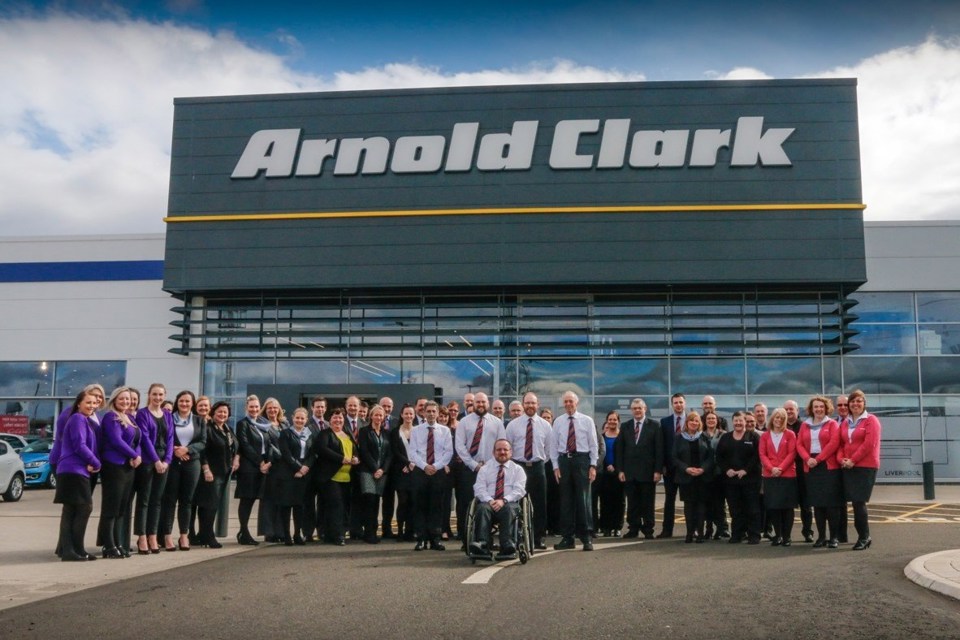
x: 779, y: 412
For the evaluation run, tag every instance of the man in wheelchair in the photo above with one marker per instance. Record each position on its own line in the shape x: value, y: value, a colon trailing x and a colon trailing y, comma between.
x: 500, y: 486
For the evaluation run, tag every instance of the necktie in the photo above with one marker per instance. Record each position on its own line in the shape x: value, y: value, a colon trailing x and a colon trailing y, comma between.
x: 528, y: 442
x: 679, y: 425
x: 498, y: 493
x: 571, y: 437
x: 636, y: 431
x: 430, y: 453
x: 475, y: 444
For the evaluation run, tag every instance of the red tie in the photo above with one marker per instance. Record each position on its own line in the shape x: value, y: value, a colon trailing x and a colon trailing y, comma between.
x: 678, y: 425
x: 528, y: 443
x: 475, y: 445
x: 498, y: 493
x: 571, y: 438
x: 430, y: 454
x: 636, y: 432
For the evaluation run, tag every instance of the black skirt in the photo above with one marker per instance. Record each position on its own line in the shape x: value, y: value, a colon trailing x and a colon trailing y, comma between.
x: 73, y: 488
x: 780, y: 493
x: 290, y: 490
x: 858, y: 484
x: 824, y: 487
x: 248, y: 485
x: 697, y: 490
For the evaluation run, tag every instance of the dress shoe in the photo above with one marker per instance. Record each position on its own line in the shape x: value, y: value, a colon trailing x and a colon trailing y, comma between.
x: 298, y: 540
x: 70, y: 556
x: 616, y: 533
x: 244, y: 538
x: 540, y: 544
x: 820, y: 543
x: 436, y: 545
x: 155, y: 550
x: 699, y: 539
x: 421, y: 545
x: 169, y: 548
x: 340, y: 542
x: 477, y: 548
x: 863, y: 543
x: 587, y: 544
x: 688, y: 539
x: 648, y: 536
x: 631, y: 533
x: 842, y: 539
x: 565, y: 543
x: 287, y: 542
x: 808, y: 537
x: 372, y: 540
x: 112, y: 553
x: 750, y: 541
x: 182, y: 547
x: 663, y: 535
x: 776, y: 542
x: 213, y: 543
x: 786, y: 542
x: 193, y: 538
x: 734, y: 540
x: 723, y: 535
x: 508, y: 551
x: 832, y: 544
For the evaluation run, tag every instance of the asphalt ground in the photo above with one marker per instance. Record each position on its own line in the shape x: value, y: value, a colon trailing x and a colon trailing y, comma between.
x: 624, y: 588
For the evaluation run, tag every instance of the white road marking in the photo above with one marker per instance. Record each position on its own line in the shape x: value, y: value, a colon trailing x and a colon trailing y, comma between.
x: 483, y: 576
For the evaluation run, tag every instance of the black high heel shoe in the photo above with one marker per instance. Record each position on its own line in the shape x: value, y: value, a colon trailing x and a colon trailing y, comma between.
x: 862, y: 544
x: 244, y: 538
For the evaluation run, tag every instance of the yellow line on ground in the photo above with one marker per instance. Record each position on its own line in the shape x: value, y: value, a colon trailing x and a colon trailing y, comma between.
x: 920, y: 510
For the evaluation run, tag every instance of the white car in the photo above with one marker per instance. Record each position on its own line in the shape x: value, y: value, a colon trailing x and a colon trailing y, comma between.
x: 11, y: 473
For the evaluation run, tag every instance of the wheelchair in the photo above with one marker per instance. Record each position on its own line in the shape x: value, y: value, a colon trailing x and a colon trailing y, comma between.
x: 523, y: 543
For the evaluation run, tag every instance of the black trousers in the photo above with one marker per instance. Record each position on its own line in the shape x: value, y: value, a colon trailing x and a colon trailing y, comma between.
x: 695, y: 513
x: 716, y: 507
x: 354, y: 507
x: 576, y: 517
x: 428, y: 503
x: 73, y: 528
x: 312, y: 507
x: 743, y: 498
x: 806, y: 511
x: 371, y: 512
x: 387, y: 503
x: 824, y: 516
x: 405, y: 501
x: 641, y: 498
x: 669, y: 503
x: 506, y: 518
x: 286, y: 511
x: 335, y: 495
x: 537, y: 490
x: 464, y: 494
x: 782, y: 521
x: 860, y: 520
x: 117, y: 486
x: 149, y: 487
x: 178, y: 495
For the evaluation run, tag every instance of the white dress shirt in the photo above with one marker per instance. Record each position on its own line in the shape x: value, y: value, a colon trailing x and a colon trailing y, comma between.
x: 492, y: 431
x: 514, y: 482
x: 442, y: 445
x: 586, y: 435
x: 516, y: 433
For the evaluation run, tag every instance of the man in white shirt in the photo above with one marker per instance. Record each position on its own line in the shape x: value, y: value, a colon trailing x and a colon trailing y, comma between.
x: 500, y: 486
x: 431, y: 450
x: 575, y: 452
x: 475, y: 437
x: 530, y: 440
x: 498, y: 408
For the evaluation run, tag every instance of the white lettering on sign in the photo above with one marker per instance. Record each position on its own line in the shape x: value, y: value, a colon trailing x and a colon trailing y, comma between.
x: 280, y: 153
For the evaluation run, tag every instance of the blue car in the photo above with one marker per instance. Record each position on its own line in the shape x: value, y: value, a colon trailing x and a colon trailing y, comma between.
x: 36, y: 464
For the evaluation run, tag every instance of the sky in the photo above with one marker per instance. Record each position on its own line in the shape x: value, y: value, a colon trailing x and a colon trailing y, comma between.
x: 86, y: 105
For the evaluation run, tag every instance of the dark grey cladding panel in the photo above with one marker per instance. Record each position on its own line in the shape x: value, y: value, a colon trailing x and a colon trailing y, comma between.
x: 210, y: 135
x: 638, y: 249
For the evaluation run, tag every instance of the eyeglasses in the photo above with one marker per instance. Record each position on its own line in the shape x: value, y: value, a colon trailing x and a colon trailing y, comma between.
x: 842, y: 404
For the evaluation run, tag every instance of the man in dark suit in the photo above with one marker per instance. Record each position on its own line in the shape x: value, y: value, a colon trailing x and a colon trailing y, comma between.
x: 389, y: 493
x: 638, y: 459
x: 313, y: 496
x: 670, y: 427
x: 354, y: 509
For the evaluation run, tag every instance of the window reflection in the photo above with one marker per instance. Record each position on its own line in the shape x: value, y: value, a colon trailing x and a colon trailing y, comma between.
x: 934, y: 306
x: 882, y: 374
x: 26, y: 378
x: 784, y: 375
x: 940, y: 374
x: 883, y: 306
x: 885, y: 339
x: 626, y: 377
x: 71, y: 376
x: 701, y: 376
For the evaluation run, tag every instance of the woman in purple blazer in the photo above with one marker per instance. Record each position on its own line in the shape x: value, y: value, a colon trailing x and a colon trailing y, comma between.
x: 156, y: 449
x: 77, y: 460
x: 120, y: 455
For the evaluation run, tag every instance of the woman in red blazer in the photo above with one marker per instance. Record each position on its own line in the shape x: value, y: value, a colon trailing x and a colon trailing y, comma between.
x: 778, y: 450
x: 859, y: 457
x: 817, y: 445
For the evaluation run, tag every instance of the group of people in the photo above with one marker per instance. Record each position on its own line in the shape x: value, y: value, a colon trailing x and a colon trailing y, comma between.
x: 320, y: 476
x: 762, y: 468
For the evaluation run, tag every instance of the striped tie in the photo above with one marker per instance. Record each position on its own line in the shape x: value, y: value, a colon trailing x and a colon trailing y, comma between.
x: 475, y: 444
x: 571, y: 438
x: 528, y: 443
x: 498, y: 494
x: 430, y: 453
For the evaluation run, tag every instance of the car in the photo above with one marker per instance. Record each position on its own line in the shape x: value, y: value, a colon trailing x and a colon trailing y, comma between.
x: 36, y: 464
x: 11, y: 473
x: 14, y: 440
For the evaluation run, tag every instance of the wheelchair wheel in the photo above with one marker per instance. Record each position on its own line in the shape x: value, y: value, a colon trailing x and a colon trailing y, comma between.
x: 526, y: 530
x: 470, y: 533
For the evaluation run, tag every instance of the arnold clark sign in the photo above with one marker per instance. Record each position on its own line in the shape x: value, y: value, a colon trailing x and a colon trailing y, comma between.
x: 599, y: 145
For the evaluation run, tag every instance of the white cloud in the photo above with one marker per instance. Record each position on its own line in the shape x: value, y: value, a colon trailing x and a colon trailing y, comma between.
x: 909, y: 103
x: 87, y: 109
x: 740, y: 73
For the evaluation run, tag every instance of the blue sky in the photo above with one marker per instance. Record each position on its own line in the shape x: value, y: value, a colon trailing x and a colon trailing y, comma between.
x: 86, y: 116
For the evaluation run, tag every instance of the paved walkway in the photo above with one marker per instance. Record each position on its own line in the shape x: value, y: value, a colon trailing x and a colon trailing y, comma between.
x: 29, y: 571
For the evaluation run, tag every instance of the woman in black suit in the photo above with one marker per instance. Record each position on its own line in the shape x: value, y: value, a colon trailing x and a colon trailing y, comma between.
x: 296, y: 459
x: 334, y: 459
x: 738, y: 457
x: 693, y: 473
x: 375, y: 456
x: 189, y: 442
x: 254, y: 443
x: 219, y: 460
x: 400, y: 468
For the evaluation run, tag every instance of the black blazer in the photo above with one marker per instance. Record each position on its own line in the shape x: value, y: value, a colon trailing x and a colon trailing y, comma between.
x: 668, y: 426
x: 219, y: 452
x: 328, y: 454
x: 398, y: 449
x: 289, y: 445
x: 742, y: 454
x: 682, y: 460
x: 251, y: 441
x: 198, y: 443
x: 374, y: 454
x: 639, y: 460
